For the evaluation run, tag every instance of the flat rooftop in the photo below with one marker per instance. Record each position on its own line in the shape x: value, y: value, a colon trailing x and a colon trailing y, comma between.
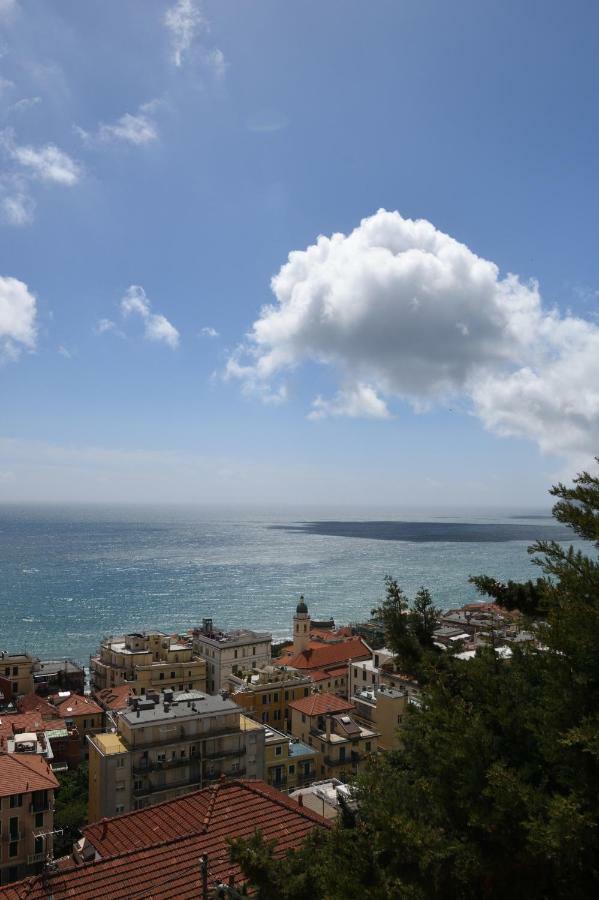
x: 147, y: 711
x: 109, y: 744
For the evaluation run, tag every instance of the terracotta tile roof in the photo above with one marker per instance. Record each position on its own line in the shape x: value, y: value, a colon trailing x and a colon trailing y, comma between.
x: 319, y: 704
x: 331, y: 634
x: 22, y: 774
x: 156, y: 850
x: 76, y: 705
x: 115, y: 698
x: 17, y: 723
x: 324, y: 674
x: 34, y: 703
x: 320, y: 655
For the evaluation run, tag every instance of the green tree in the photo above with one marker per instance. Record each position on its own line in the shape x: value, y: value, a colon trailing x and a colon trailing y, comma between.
x: 424, y: 617
x: 495, y: 792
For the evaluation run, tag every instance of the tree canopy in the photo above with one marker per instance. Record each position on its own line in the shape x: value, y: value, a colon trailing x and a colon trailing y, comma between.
x: 495, y: 791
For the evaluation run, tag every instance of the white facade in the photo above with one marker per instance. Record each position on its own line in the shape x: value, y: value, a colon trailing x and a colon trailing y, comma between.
x: 227, y: 653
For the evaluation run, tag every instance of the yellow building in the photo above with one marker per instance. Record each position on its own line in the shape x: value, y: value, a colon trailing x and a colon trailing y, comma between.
x: 16, y: 675
x: 27, y: 787
x: 265, y: 695
x: 290, y: 763
x: 326, y: 723
x: 166, y: 745
x: 383, y: 709
x: 148, y: 662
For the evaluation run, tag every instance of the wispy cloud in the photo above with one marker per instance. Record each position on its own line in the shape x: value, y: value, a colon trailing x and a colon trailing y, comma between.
x: 184, y: 21
x: 24, y: 104
x: 132, y: 128
x: 156, y: 326
x: 46, y: 163
x: 209, y: 332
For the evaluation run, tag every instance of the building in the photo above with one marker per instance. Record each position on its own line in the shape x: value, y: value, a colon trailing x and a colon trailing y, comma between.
x: 230, y: 652
x: 80, y: 712
x: 325, y: 797
x: 148, y: 661
x: 322, y: 653
x: 16, y: 676
x: 27, y: 787
x: 325, y: 722
x: 156, y: 852
x: 265, y: 694
x: 169, y: 744
x: 48, y: 737
x: 289, y: 762
x: 380, y: 671
x: 383, y: 709
x: 53, y: 675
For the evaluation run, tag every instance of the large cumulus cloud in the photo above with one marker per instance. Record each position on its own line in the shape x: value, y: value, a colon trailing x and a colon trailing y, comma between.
x: 400, y: 309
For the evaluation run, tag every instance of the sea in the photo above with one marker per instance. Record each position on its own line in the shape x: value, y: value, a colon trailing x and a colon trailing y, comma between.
x: 70, y: 575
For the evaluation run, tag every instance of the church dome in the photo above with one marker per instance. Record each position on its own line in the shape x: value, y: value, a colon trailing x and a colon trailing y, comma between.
x: 301, y: 606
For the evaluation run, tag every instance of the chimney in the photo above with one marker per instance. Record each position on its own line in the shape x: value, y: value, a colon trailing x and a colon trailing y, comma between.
x: 300, y: 800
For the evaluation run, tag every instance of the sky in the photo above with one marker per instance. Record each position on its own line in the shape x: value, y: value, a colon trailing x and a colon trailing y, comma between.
x: 317, y: 252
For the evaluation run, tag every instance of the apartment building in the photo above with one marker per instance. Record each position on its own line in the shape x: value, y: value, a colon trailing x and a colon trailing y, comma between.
x: 27, y: 787
x: 147, y: 661
x: 230, y: 652
x: 290, y: 763
x: 379, y: 671
x: 326, y: 722
x: 384, y: 709
x: 16, y: 676
x: 169, y: 744
x: 265, y: 695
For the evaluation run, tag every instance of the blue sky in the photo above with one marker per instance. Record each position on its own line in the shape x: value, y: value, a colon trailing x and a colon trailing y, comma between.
x: 160, y: 161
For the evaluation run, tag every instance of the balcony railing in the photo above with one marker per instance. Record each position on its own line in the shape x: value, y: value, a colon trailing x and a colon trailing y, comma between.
x: 223, y: 754
x: 332, y: 762
x: 305, y: 778
x: 158, y: 765
x: 35, y: 858
x: 178, y: 738
x: 278, y: 782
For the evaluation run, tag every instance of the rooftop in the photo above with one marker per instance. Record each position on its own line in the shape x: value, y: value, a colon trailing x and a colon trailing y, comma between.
x: 76, y: 705
x: 319, y: 655
x: 321, y: 704
x: 109, y: 743
x: 21, y: 774
x: 155, y: 852
x: 172, y: 706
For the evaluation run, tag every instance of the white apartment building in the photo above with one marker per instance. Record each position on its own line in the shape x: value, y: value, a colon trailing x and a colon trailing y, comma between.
x: 230, y: 652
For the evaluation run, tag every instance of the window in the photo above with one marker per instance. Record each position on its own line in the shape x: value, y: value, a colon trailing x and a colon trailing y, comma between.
x: 376, y: 660
x: 161, y: 676
x: 15, y: 670
x: 363, y: 674
x: 367, y: 746
x: 278, y: 751
x: 275, y: 697
x: 120, y: 763
x: 399, y: 720
x: 286, y: 695
x: 39, y: 820
x: 173, y: 674
x: 306, y: 692
x: 264, y: 699
x: 265, y: 717
x: 253, y: 651
x: 303, y: 717
x: 119, y: 808
x: 15, y: 801
x: 38, y: 847
x: 13, y: 828
x: 236, y: 654
x: 13, y: 849
x: 292, y: 769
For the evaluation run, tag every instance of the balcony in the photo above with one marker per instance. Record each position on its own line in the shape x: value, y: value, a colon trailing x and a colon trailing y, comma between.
x: 223, y: 754
x: 162, y: 765
x: 197, y: 737
x: 305, y: 778
x: 35, y: 858
x: 331, y: 762
x: 278, y: 782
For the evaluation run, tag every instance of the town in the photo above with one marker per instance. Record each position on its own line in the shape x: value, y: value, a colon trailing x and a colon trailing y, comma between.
x: 193, y: 738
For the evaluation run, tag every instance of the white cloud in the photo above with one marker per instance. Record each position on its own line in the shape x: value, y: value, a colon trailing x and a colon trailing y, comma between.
x: 184, y: 21
x: 17, y: 318
x: 137, y: 129
x: 24, y: 104
x: 359, y: 401
x: 399, y: 309
x: 156, y: 327
x: 215, y: 59
x: 5, y: 85
x: 47, y: 163
x: 17, y: 206
x: 64, y: 352
x: 208, y: 331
